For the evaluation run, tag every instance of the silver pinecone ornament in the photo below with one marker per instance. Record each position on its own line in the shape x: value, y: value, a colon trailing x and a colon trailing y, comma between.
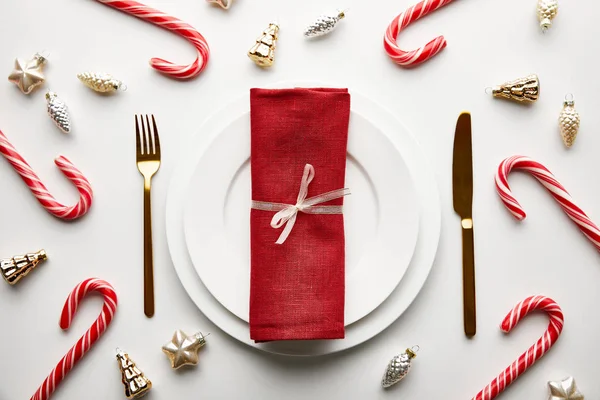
x: 58, y: 111
x: 569, y: 121
x: 323, y: 25
x: 398, y: 367
x: 101, y: 82
x: 546, y: 11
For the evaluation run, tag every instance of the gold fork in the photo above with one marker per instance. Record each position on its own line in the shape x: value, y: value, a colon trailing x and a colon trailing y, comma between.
x: 148, y: 162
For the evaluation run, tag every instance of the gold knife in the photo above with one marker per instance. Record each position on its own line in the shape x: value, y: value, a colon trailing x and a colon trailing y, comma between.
x: 462, y: 188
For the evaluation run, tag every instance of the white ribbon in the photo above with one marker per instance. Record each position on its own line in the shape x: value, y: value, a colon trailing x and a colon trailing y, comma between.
x: 287, y: 213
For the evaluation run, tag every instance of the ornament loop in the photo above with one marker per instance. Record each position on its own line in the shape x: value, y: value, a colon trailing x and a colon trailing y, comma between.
x: 416, y: 348
x: 569, y: 98
x: 489, y: 90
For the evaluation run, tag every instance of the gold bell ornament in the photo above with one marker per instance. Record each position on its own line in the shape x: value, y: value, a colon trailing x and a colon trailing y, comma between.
x: 101, y: 82
x: 546, y: 11
x: 136, y: 383
x: 28, y: 75
x: 183, y: 349
x: 522, y: 90
x: 569, y: 121
x: 263, y: 51
x: 14, y: 269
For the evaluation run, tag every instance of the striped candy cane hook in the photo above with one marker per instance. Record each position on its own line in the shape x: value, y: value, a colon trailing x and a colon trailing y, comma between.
x: 39, y: 189
x: 535, y: 352
x: 412, y: 14
x: 88, y: 339
x: 558, y: 191
x: 175, y: 25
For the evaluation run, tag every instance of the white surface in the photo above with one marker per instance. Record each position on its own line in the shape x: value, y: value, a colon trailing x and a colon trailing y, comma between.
x: 372, y: 128
x: 488, y: 42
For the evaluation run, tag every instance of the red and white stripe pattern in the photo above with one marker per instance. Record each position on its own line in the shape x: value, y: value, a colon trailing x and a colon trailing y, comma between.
x: 412, y: 14
x: 86, y: 341
x: 39, y: 189
x: 175, y: 25
x: 558, y: 191
x: 535, y: 352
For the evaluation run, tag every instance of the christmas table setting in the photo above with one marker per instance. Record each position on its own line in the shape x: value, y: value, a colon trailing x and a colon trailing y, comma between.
x: 326, y: 212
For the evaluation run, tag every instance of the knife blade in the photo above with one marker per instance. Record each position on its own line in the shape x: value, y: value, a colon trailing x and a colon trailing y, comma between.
x: 462, y: 193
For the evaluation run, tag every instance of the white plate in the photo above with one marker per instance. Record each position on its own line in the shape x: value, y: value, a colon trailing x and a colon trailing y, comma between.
x: 429, y: 230
x: 381, y: 216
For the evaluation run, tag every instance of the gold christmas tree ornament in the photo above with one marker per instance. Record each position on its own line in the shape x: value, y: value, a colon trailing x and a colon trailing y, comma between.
x: 522, y: 90
x: 263, y: 51
x: 14, y: 269
x: 136, y: 383
x: 59, y: 112
x: 569, y: 121
x: 28, y: 75
x: 183, y: 349
x: 546, y: 11
x: 101, y: 82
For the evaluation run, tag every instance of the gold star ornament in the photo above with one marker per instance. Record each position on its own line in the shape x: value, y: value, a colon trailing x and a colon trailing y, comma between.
x: 183, y: 349
x: 27, y: 75
x: 564, y: 390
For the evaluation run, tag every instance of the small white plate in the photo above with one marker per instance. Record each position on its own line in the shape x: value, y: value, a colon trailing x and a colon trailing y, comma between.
x: 381, y: 217
x: 428, y: 203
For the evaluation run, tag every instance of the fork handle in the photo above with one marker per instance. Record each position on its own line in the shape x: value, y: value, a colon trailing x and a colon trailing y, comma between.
x: 148, y: 256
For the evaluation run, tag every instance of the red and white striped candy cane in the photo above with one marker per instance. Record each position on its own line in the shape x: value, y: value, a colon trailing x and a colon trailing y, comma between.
x: 39, y: 189
x: 88, y: 339
x: 535, y: 352
x: 558, y: 191
x: 173, y: 24
x: 412, y: 14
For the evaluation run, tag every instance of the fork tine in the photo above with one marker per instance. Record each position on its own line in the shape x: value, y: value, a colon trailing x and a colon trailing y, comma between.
x: 145, y: 148
x: 138, y: 145
x: 156, y: 138
x: 150, y: 136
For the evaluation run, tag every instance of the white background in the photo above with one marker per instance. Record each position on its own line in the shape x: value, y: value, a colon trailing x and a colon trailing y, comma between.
x: 488, y: 42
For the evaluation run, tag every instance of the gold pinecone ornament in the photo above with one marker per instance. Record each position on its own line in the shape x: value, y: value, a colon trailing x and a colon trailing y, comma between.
x: 263, y: 51
x: 569, y: 121
x: 58, y: 111
x: 546, y: 11
x: 101, y: 82
x: 136, y: 383
x: 15, y: 268
x: 522, y: 90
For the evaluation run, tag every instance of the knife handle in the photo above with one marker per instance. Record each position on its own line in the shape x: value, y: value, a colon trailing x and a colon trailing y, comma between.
x: 468, y: 251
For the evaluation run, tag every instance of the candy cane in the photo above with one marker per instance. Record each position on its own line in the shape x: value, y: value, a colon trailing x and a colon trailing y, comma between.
x: 558, y: 191
x: 182, y: 29
x: 413, y: 57
x: 39, y: 189
x: 535, y: 352
x: 86, y: 341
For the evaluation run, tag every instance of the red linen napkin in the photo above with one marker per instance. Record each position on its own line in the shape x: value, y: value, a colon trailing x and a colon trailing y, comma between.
x: 297, y: 288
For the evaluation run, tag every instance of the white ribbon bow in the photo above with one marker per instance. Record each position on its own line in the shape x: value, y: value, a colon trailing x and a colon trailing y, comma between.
x: 287, y: 213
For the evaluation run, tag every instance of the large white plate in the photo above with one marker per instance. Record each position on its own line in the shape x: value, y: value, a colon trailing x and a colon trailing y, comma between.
x: 429, y: 230
x: 381, y: 216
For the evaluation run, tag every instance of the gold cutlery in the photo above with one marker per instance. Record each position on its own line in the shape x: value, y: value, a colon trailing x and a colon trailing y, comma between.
x: 462, y: 187
x: 148, y: 163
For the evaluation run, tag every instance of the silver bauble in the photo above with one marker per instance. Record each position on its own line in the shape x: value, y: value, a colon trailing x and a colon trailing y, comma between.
x: 58, y: 111
x: 398, y: 368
